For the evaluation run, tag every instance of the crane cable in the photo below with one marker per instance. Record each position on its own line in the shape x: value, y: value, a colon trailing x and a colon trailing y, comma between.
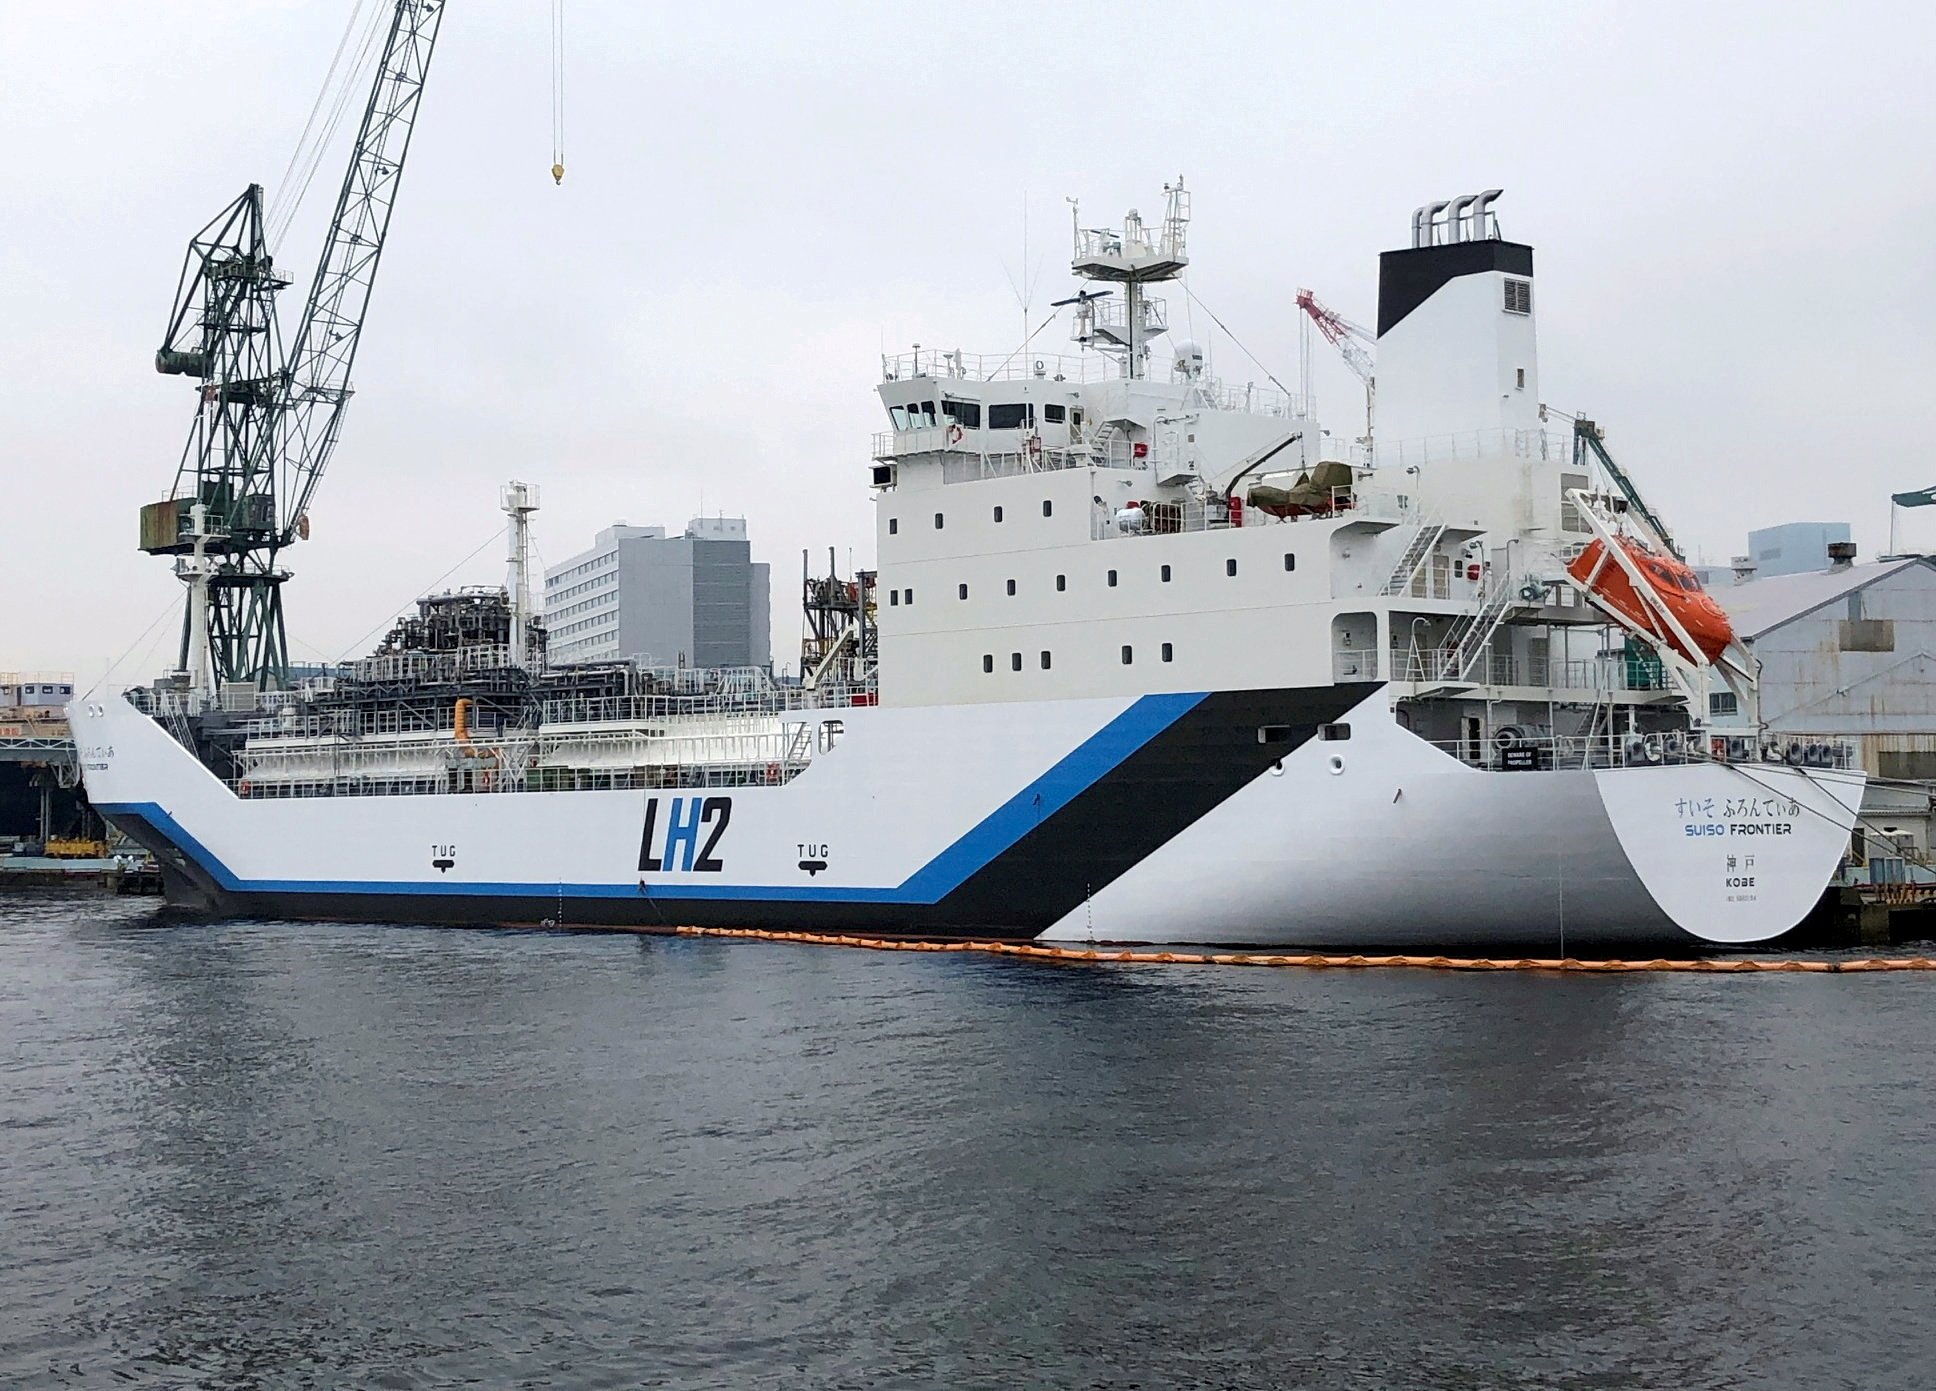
x: 287, y: 181
x: 558, y: 91
x: 339, y: 87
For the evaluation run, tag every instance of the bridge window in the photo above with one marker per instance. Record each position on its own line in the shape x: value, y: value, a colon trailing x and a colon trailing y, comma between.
x: 966, y: 414
x: 1054, y: 415
x: 1013, y: 416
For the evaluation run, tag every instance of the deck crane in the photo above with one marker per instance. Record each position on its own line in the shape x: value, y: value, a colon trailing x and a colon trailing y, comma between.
x: 265, y: 424
x: 1347, y: 338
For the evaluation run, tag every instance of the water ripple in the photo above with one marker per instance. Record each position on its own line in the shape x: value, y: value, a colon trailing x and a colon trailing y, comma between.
x: 246, y: 1155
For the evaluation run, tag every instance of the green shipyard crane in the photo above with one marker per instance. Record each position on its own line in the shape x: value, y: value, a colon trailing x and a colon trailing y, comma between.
x: 265, y: 423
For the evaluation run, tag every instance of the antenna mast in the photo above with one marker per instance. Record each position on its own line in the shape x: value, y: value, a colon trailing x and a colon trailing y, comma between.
x: 1132, y: 257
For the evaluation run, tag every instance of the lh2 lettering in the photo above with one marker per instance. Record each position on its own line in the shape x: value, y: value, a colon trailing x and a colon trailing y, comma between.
x: 678, y: 846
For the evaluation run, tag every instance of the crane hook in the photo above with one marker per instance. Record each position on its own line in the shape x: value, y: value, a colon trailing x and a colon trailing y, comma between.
x: 557, y: 173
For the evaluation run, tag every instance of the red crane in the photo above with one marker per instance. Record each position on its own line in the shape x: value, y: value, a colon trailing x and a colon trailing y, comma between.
x: 1348, y: 339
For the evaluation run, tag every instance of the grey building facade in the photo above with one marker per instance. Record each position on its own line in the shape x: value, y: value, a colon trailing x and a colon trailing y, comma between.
x: 1793, y: 548
x: 693, y: 600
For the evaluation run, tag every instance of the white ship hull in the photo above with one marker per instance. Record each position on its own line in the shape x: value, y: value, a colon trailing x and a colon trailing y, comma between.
x: 1161, y: 818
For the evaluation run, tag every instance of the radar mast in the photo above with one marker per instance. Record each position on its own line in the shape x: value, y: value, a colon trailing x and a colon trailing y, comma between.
x: 1133, y: 256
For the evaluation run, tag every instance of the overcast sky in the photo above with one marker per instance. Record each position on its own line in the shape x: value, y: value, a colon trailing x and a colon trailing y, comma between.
x: 1734, y: 209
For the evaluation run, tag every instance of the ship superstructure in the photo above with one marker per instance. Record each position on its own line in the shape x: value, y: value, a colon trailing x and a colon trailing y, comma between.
x: 1146, y: 656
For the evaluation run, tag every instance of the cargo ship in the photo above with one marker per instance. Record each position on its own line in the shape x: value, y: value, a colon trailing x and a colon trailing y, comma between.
x: 1148, y: 656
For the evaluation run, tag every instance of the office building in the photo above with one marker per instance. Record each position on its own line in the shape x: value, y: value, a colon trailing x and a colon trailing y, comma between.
x: 693, y: 600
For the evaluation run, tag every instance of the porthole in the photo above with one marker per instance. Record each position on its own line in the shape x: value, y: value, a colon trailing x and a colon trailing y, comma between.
x: 1011, y: 586
x: 961, y: 591
x: 1045, y: 661
x: 1129, y: 654
x: 1048, y: 508
x: 998, y: 514
x: 1061, y: 583
x: 1015, y: 661
x: 988, y: 661
x: 1168, y: 652
x: 938, y: 519
x: 1166, y: 574
x: 1290, y: 561
x: 1112, y: 579
x: 1230, y: 566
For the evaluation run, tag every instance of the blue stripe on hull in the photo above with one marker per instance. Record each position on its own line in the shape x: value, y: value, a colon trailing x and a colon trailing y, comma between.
x: 1073, y: 774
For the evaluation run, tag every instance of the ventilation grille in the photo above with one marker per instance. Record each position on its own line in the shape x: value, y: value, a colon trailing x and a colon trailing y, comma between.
x: 1519, y: 296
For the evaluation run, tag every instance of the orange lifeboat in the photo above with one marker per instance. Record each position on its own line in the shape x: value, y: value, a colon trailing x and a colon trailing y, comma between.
x: 1679, y: 590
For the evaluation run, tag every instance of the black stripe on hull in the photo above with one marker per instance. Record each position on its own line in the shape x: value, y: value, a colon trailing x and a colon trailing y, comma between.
x: 1171, y: 782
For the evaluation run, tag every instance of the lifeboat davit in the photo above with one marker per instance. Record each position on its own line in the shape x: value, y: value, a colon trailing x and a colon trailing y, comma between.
x: 1677, y: 586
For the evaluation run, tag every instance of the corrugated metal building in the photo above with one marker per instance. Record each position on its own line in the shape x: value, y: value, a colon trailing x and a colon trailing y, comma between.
x: 1850, y: 653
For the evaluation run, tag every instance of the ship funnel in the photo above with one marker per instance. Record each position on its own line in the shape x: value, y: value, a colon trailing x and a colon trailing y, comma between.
x: 1481, y: 210
x: 1430, y: 222
x: 1455, y: 228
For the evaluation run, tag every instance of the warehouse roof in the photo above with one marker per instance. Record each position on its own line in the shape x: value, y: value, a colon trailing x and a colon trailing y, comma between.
x: 1759, y: 605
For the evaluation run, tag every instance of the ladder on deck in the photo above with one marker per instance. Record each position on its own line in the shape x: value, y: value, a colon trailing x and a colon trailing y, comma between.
x: 1472, y: 634
x: 1425, y: 540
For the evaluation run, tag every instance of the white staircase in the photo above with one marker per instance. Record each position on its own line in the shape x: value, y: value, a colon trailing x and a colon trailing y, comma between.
x: 1471, y: 636
x: 1418, y: 553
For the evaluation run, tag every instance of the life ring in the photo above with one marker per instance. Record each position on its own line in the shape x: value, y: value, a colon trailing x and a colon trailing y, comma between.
x: 954, y: 434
